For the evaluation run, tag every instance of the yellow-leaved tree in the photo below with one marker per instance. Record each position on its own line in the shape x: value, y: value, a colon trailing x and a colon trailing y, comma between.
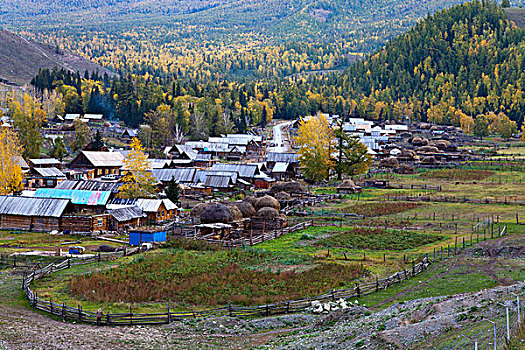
x: 139, y: 181
x: 316, y: 141
x: 11, y: 175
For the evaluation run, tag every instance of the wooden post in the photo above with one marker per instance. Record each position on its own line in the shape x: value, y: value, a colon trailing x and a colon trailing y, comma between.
x: 169, y: 314
x: 80, y: 313
x: 130, y: 315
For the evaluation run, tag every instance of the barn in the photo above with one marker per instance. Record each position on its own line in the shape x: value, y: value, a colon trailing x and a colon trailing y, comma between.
x: 32, y: 214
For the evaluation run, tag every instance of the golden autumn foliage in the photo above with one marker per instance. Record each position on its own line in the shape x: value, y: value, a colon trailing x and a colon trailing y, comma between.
x: 316, y: 141
x: 139, y: 181
x: 11, y: 175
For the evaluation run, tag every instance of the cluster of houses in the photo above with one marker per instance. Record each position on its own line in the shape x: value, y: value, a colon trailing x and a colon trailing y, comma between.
x: 82, y: 195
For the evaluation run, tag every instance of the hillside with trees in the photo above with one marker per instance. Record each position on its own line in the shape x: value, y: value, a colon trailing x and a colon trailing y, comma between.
x: 461, y: 65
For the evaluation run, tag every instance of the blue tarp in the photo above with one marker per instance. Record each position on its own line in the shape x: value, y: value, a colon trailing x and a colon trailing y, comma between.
x: 138, y: 237
x: 76, y: 196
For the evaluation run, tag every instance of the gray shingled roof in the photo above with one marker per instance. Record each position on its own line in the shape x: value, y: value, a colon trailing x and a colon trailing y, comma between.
x: 29, y: 206
x: 282, y: 157
x: 50, y: 172
x: 102, y: 159
x: 125, y: 214
x: 182, y: 175
x: 244, y: 170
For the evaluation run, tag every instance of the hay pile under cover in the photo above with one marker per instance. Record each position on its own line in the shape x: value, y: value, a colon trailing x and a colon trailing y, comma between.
x: 216, y: 213
x: 267, y: 201
x: 429, y: 160
x: 429, y: 149
x: 419, y: 141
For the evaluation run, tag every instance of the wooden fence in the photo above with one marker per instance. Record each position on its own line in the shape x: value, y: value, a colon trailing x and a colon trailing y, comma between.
x: 246, y: 241
x: 452, y: 199
x: 129, y: 318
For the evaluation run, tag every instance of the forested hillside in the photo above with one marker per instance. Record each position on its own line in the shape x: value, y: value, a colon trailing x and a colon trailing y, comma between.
x: 218, y: 39
x: 463, y: 63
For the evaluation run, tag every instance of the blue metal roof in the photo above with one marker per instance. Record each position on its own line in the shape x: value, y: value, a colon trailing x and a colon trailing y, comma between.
x: 76, y: 196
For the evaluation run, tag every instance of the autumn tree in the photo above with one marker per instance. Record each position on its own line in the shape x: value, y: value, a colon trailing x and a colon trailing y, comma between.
x: 139, y: 181
x: 481, y: 126
x: 82, y: 135
x: 316, y: 142
x: 11, y: 175
x: 59, y: 150
x: 27, y: 119
x: 352, y: 154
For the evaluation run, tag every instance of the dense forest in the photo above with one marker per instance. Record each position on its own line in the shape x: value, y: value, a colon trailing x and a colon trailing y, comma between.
x: 239, y: 40
x: 453, y: 66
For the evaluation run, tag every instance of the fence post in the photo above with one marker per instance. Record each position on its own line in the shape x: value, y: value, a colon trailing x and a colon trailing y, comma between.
x: 230, y: 309
x: 508, y: 324
x: 169, y: 315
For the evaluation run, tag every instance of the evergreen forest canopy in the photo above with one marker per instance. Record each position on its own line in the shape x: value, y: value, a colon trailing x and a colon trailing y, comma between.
x: 464, y: 62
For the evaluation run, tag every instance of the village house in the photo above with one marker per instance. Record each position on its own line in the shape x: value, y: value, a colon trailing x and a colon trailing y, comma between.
x: 97, y: 164
x: 156, y: 210
x: 91, y: 202
x: 44, y: 178
x: 285, y: 159
x: 32, y: 214
x: 126, y: 218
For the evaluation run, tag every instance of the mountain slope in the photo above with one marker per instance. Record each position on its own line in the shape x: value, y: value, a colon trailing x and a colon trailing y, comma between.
x: 21, y: 59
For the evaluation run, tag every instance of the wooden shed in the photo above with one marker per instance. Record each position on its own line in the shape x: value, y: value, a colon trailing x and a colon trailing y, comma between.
x: 32, y: 214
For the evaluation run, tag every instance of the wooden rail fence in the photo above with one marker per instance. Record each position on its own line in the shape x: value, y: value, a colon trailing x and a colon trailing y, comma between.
x: 129, y: 318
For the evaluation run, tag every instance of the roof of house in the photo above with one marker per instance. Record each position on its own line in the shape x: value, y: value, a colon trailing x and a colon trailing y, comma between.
x: 21, y: 161
x: 93, y: 116
x: 127, y: 213
x: 179, y: 174
x: 102, y: 159
x: 202, y: 175
x: 280, y: 167
x: 130, y: 132
x: 203, y: 157
x: 44, y: 161
x: 282, y: 157
x: 29, y: 206
x: 159, y: 163
x: 89, y: 185
x: 71, y: 116
x: 153, y: 205
x: 185, y: 149
x: 244, y: 170
x: 76, y: 196
x: 50, y: 172
x: 218, y: 181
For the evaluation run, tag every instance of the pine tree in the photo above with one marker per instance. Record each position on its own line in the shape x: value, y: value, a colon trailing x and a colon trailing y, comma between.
x: 173, y: 191
x: 98, y: 143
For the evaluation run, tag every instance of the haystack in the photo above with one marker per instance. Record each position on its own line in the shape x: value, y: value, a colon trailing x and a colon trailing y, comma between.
x: 288, y: 187
x: 428, y: 149
x: 406, y: 169
x: 347, y: 184
x: 250, y: 199
x: 268, y: 213
x: 216, y: 213
x: 419, y: 141
x: 199, y: 209
x: 389, y: 163
x: 429, y: 160
x: 282, y: 196
x: 425, y: 126
x: 236, y: 213
x: 408, y: 154
x: 246, y: 208
x: 267, y: 202
x: 442, y: 144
